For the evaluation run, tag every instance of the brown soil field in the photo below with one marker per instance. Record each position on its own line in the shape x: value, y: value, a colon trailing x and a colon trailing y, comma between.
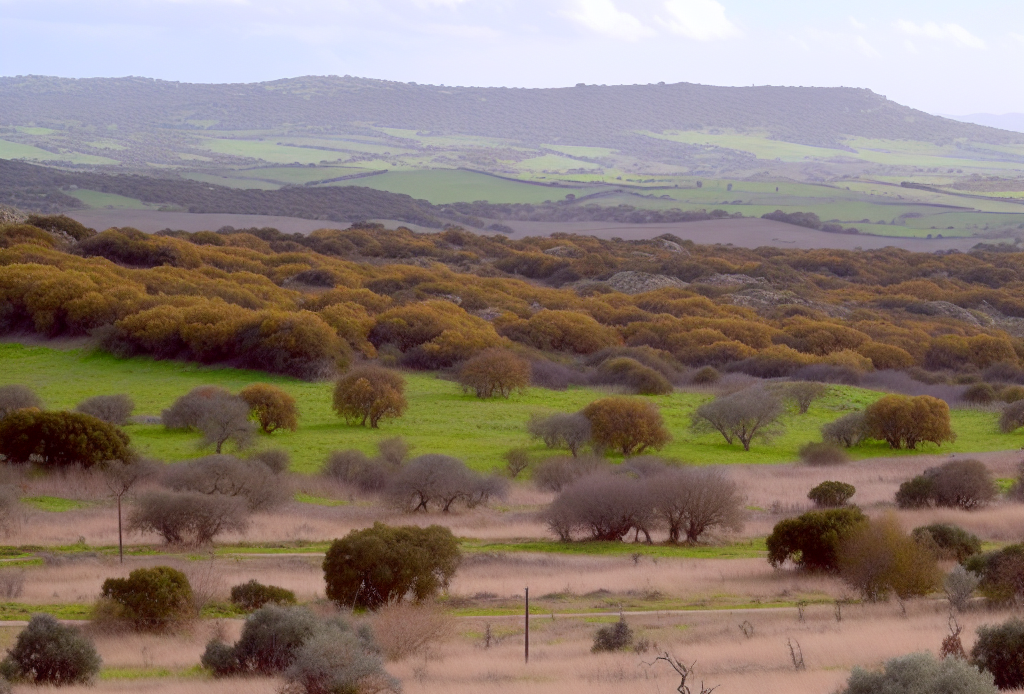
x: 748, y: 233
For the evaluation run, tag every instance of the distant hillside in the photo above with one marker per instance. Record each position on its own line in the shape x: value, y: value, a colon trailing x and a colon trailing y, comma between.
x: 582, y: 115
x: 1005, y: 121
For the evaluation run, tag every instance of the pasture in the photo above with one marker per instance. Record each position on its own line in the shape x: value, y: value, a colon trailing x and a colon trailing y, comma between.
x: 440, y: 419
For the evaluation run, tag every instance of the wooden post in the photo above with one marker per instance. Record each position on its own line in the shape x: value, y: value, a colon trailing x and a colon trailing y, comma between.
x: 527, y: 621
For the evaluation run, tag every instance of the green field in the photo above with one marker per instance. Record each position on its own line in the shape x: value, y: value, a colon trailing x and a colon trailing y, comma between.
x: 443, y: 186
x: 440, y: 418
x: 16, y: 150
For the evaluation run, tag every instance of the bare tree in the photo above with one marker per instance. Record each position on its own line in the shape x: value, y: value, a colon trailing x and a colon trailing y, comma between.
x: 846, y: 431
x: 113, y: 409
x: 742, y: 416
x: 443, y: 481
x: 683, y: 672
x: 605, y: 505
x: 188, y: 518
x: 227, y: 475
x: 557, y: 472
x: 692, y: 501
x: 803, y: 393
x: 121, y: 477
x: 227, y: 419
x: 562, y: 430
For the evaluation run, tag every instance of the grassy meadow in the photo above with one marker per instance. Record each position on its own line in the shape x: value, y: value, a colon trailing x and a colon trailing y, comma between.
x: 440, y: 419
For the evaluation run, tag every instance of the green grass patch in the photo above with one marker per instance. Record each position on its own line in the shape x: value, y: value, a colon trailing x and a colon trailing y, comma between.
x: 97, y: 200
x: 54, y: 504
x: 440, y: 419
x: 128, y: 674
x: 739, y: 550
x: 19, y: 611
x: 442, y: 186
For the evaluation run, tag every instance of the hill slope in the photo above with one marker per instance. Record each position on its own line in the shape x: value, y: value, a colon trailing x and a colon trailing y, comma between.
x: 584, y: 115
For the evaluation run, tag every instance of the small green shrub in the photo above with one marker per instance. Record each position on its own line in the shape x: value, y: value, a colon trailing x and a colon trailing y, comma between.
x: 254, y: 595
x: 267, y: 645
x: 920, y: 673
x: 1002, y: 573
x: 980, y: 394
x: 613, y: 637
x: 48, y: 652
x: 831, y: 494
x: 915, y: 493
x: 949, y: 541
x: 151, y: 599
x: 999, y: 650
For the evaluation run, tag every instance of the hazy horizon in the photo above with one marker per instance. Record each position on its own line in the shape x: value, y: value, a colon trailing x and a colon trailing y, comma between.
x: 938, y: 57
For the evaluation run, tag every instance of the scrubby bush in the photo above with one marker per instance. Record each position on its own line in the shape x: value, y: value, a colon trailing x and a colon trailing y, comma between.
x: 403, y: 630
x: 517, y: 461
x: 878, y: 558
x: 441, y: 481
x: 920, y: 673
x: 822, y: 454
x: 743, y: 416
x: 336, y: 660
x: 804, y: 393
x: 1012, y: 417
x: 999, y: 650
x: 61, y: 224
x: 49, y: 653
x: 18, y: 397
x: 917, y: 492
x: 495, y: 372
x: 614, y: 637
x: 627, y: 425
x: 631, y: 374
x: 61, y: 439
x: 253, y: 595
x: 705, y: 376
x: 905, y: 422
x: 959, y: 586
x: 1002, y: 573
x: 562, y: 430
x: 277, y: 460
x: 384, y: 564
x: 190, y: 410
x: 187, y: 518
x: 813, y: 541
x: 151, y: 599
x: 556, y: 473
x: 272, y: 407
x: 227, y: 475
x: 948, y: 541
x: 112, y: 409
x: 270, y: 638
x: 358, y: 469
x: 965, y: 484
x: 693, y: 501
x: 369, y: 394
x: 831, y: 494
x: 553, y: 376
x: 979, y: 394
x: 846, y: 431
x: 605, y: 506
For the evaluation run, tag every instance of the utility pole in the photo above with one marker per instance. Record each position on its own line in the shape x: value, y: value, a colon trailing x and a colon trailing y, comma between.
x: 527, y: 621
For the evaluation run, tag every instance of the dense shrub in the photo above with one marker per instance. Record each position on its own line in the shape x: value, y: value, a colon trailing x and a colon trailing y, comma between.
x: 846, y: 431
x: 61, y: 439
x: 112, y: 409
x: 905, y: 422
x: 190, y: 410
x: 562, y: 430
x: 270, y: 637
x: 272, y: 407
x: 358, y: 469
x: 878, y: 558
x: 403, y: 630
x: 61, y: 224
x: 959, y: 586
x: 227, y: 475
x: 383, y: 564
x: 813, y: 541
x: 920, y: 673
x: 18, y: 397
x: 433, y: 334
x: 627, y: 425
x: 336, y: 660
x: 369, y: 394
x: 495, y: 372
x: 999, y: 650
x: 562, y: 331
x: 151, y: 599
x: 548, y: 374
x: 979, y: 394
x: 831, y: 494
x: 614, y: 637
x: 631, y: 374
x: 948, y: 541
x: 187, y: 518
x: 1002, y: 573
x: 443, y: 482
x: 48, y: 652
x: 1012, y: 417
x: 823, y: 454
x: 705, y: 376
x: 277, y: 460
x: 557, y: 472
x: 132, y: 247
x: 965, y: 484
x: 743, y: 416
x: 253, y: 595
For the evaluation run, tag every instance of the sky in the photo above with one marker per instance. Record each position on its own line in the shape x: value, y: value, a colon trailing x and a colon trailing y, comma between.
x: 941, y: 56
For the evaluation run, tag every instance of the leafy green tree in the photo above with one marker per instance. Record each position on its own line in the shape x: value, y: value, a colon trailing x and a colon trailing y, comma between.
x: 813, y: 540
x: 1000, y: 650
x: 61, y: 439
x: 151, y: 599
x: 372, y: 567
x: 369, y: 394
x: 831, y: 494
x: 48, y: 652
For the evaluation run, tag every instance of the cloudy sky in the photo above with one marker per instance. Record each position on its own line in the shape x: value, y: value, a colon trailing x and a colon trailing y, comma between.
x: 942, y: 56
